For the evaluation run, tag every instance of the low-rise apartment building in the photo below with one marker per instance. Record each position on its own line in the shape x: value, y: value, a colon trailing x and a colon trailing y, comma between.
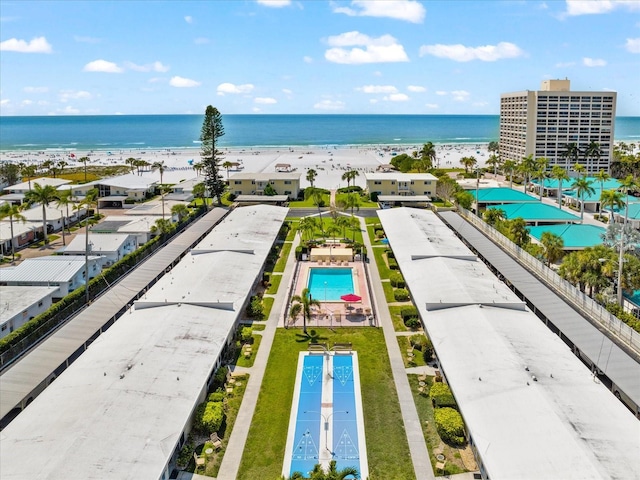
x: 401, y: 184
x: 282, y: 183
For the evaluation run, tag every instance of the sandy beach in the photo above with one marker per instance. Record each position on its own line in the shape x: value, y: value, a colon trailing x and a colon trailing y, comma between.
x: 330, y: 162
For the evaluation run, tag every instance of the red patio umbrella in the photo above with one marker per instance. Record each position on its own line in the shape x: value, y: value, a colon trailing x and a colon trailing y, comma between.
x: 350, y: 297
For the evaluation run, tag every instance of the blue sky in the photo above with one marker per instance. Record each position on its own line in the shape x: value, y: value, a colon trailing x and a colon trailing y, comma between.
x: 288, y: 56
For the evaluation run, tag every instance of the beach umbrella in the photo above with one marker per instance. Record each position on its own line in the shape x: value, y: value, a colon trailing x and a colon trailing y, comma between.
x: 350, y: 298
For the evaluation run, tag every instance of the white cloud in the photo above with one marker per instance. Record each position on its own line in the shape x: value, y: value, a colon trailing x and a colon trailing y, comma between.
x: 201, y: 41
x: 286, y: 91
x: 383, y: 49
x: 377, y: 89
x: 27, y: 102
x: 329, y: 105
x: 432, y: 105
x: 407, y: 10
x: 460, y: 95
x: 256, y: 110
x: 593, y: 62
x: 416, y: 89
x: 633, y: 45
x: 81, y: 39
x: 265, y: 100
x: 102, y: 66
x: 188, y: 19
x: 565, y: 64
x: 231, y: 88
x: 441, y: 92
x: 377, y: 73
x: 307, y: 59
x: 594, y: 7
x: 460, y: 53
x: 396, y: 97
x: 5, y: 101
x: 36, y: 45
x: 274, y: 3
x: 373, y: 101
x: 181, y: 82
x: 35, y: 89
x: 66, y: 95
x: 150, y: 67
x: 480, y: 104
x: 69, y: 110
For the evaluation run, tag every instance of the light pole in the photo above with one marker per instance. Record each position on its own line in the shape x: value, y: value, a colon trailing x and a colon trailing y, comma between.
x: 477, y: 190
x: 325, y: 292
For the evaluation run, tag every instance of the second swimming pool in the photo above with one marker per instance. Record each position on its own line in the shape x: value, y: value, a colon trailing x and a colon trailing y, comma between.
x: 329, y: 284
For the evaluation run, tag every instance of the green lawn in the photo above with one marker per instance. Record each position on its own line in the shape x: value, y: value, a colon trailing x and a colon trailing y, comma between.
x: 293, y: 229
x: 380, y: 256
x: 284, y: 256
x: 363, y: 203
x: 396, y: 318
x: 417, y: 360
x: 267, y: 304
x: 241, y: 360
x: 387, y: 448
x: 371, y: 230
x: 50, y: 238
x: 275, y: 283
x: 388, y: 292
x: 308, y: 203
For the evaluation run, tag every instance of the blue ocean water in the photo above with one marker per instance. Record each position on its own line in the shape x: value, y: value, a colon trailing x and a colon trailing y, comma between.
x: 183, y: 131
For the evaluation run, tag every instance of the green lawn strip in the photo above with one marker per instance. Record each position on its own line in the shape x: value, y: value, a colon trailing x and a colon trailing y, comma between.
x: 396, y: 318
x: 425, y: 413
x: 284, y: 256
x: 213, y: 461
x: 267, y: 304
x: 387, y: 448
x: 417, y: 360
x: 50, y: 238
x: 308, y: 203
x: 241, y: 360
x: 293, y: 229
x: 274, y: 280
x: 383, y: 269
x: 363, y: 203
x: 258, y: 326
x: 388, y: 292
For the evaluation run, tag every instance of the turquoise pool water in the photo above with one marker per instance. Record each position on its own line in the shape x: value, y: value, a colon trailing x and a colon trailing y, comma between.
x: 329, y: 284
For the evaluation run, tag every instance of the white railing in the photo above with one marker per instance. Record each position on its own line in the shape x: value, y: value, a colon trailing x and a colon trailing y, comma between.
x: 580, y: 300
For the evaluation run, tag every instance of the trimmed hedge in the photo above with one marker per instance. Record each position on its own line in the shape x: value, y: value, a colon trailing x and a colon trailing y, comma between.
x: 397, y: 280
x: 441, y: 395
x: 413, y: 323
x: 401, y: 295
x: 209, y: 417
x: 450, y: 426
x: 409, y: 312
x: 393, y: 264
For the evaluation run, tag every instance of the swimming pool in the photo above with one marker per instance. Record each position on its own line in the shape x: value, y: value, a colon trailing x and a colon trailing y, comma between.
x: 329, y: 284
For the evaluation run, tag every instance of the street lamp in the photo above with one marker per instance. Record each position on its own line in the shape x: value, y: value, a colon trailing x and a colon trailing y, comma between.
x: 326, y: 419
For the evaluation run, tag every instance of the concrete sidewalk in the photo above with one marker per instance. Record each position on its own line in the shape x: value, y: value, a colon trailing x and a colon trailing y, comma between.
x: 233, y: 454
x: 415, y: 437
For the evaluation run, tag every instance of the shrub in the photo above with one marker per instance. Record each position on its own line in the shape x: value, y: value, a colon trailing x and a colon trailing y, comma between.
x: 450, y: 426
x: 409, y: 312
x: 441, y: 395
x: 245, y: 334
x: 390, y: 253
x: 350, y: 189
x: 216, y: 397
x: 401, y: 295
x: 254, y: 309
x: 397, y: 280
x: 220, y: 378
x: 427, y: 350
x: 185, y: 453
x: 393, y: 264
x: 412, y: 323
x: 209, y: 417
x: 379, y: 233
x: 417, y: 341
x: 374, y: 196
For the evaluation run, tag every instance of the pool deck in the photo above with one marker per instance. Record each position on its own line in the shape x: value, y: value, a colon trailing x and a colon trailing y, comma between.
x: 340, y: 313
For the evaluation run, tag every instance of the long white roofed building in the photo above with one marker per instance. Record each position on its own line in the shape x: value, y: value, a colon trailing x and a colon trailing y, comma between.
x: 531, y: 407
x: 124, y: 408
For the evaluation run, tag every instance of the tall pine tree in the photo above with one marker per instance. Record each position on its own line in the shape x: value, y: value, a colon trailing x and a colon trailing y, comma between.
x: 212, y: 130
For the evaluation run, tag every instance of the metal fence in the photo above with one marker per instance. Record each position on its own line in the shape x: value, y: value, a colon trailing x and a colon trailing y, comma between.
x: 573, y: 295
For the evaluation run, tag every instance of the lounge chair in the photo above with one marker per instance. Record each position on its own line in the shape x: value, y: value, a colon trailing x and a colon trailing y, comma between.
x: 215, y: 440
x: 199, y: 460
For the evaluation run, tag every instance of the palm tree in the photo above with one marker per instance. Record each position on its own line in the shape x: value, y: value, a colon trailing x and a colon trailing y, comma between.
x: 527, y: 167
x: 161, y: 227
x: 518, y: 232
x: 602, y: 177
x: 580, y: 169
x: 611, y: 199
x: 43, y: 195
x: 62, y: 165
x: 307, y: 226
x: 593, y: 151
x: 227, y: 165
x: 65, y: 198
x: 553, y: 247
x: 468, y: 162
x: 561, y: 175
x: 131, y: 162
x: 199, y: 189
x: 12, y: 212
x: 180, y: 210
x: 84, y: 160
x: 582, y: 186
x: 493, y: 216
x: 350, y: 175
x: 161, y: 167
x: 571, y: 153
x: 541, y: 165
x: 92, y: 199
x: 333, y: 228
x: 509, y: 166
x: 350, y: 201
x: 311, y: 176
x: 306, y: 302
x: 493, y: 161
x: 333, y: 473
x: 428, y: 155
x: 28, y: 171
x: 343, y: 223
x: 199, y: 166
x: 316, y: 195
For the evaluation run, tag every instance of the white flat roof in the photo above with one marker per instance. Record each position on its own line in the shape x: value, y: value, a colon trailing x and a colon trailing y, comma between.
x: 120, y: 409
x: 127, y: 223
x: 554, y: 427
x: 34, y: 214
x: 99, y: 243
x: 42, y: 181
x: 154, y: 208
x: 54, y: 268
x: 404, y: 177
x: 404, y: 198
x: 130, y: 181
x: 14, y: 300
x: 18, y: 228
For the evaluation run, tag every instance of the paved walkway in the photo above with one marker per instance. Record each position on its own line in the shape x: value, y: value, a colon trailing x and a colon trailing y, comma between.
x: 417, y: 445
x: 233, y: 454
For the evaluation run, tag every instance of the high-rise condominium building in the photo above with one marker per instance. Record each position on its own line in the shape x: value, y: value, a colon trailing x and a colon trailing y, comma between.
x: 545, y: 122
